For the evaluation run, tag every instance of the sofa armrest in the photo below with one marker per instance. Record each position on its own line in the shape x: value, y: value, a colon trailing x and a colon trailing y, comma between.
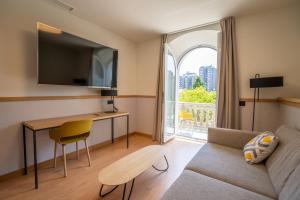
x: 230, y: 137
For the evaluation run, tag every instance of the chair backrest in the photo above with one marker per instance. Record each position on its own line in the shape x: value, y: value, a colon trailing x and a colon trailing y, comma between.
x: 73, y: 128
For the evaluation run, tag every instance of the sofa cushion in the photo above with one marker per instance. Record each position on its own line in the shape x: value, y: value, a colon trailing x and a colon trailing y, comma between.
x: 260, y: 147
x: 228, y: 164
x: 285, y: 158
x: 291, y: 190
x: 193, y: 186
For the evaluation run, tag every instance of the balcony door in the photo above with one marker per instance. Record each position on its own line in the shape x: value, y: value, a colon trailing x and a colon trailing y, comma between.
x: 170, y: 95
x: 197, y: 92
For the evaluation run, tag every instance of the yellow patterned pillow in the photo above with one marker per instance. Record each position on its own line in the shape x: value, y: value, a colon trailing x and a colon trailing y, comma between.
x: 260, y: 147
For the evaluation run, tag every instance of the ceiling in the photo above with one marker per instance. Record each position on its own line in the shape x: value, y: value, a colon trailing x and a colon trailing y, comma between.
x: 139, y: 20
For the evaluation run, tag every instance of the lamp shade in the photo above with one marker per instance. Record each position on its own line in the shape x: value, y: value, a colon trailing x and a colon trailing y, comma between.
x: 110, y: 92
x: 266, y: 82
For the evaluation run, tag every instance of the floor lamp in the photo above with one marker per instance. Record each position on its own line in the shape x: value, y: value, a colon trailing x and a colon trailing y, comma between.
x: 257, y: 82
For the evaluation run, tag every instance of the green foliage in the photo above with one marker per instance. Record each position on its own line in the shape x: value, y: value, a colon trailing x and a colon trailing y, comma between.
x: 197, y: 95
x: 198, y: 82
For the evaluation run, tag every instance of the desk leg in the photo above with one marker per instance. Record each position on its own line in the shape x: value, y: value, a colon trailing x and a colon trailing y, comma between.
x: 35, y: 161
x: 127, y: 137
x: 24, y: 149
x: 112, y: 130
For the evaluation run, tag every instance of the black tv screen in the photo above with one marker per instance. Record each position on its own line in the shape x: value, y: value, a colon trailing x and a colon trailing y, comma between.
x: 65, y: 59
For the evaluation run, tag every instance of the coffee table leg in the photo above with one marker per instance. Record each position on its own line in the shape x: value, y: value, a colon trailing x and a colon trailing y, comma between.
x: 103, y: 195
x: 124, y: 190
x: 131, y: 188
x: 162, y: 170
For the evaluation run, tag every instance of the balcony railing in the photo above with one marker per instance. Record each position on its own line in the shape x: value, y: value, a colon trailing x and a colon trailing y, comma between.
x: 195, y: 118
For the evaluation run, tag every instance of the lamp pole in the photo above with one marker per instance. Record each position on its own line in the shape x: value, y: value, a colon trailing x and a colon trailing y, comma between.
x: 254, y: 102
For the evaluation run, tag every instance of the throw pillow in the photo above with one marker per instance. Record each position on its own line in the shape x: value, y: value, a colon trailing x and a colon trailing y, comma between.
x: 260, y: 147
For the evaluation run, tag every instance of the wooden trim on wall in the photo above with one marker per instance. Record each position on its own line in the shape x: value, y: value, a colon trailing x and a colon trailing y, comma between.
x: 290, y: 101
x: 42, y: 98
x: 283, y: 100
x: 260, y: 100
x: 137, y: 96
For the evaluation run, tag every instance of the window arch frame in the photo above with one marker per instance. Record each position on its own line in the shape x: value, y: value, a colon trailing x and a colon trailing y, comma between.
x: 189, y: 50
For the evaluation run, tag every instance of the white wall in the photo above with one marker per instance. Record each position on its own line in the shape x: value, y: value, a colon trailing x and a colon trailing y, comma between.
x: 18, y: 78
x: 267, y: 116
x: 13, y: 113
x: 268, y: 43
x: 290, y: 116
x: 186, y: 42
x: 18, y: 48
x: 148, y: 54
x: 145, y: 115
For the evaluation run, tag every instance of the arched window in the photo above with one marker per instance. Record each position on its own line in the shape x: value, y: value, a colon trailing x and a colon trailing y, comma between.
x: 198, y: 63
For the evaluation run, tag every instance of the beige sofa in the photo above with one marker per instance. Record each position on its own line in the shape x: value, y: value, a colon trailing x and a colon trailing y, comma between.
x: 218, y: 171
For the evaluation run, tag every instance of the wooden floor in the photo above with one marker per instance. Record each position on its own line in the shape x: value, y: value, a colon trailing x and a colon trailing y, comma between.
x: 82, y: 183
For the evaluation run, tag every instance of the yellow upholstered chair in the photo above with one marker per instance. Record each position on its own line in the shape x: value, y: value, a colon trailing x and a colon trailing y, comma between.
x: 183, y: 115
x: 70, y: 132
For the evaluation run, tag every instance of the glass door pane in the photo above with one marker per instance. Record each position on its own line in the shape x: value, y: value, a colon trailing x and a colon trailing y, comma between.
x: 170, y: 95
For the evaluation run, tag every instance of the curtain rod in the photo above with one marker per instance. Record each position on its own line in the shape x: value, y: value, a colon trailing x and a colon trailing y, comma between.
x: 195, y: 27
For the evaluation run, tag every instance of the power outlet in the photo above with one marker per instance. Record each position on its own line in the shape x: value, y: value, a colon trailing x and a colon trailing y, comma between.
x: 110, y: 101
x: 242, y: 103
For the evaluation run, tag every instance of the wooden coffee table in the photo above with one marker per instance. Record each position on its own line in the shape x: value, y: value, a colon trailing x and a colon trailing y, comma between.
x: 129, y: 167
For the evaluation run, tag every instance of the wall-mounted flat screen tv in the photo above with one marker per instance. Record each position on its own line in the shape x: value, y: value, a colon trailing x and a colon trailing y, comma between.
x: 65, y: 59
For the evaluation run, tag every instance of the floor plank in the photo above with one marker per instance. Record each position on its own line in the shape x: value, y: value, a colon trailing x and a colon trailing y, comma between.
x: 82, y: 183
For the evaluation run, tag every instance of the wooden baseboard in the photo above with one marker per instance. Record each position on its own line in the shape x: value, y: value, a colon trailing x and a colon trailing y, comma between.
x: 45, y: 164
x: 143, y: 134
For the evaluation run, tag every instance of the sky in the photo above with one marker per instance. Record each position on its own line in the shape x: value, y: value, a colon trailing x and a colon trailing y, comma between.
x: 197, y: 58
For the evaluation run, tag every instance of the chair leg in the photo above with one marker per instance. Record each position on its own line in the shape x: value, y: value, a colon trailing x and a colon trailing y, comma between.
x: 55, y: 149
x: 87, y: 151
x: 77, y: 149
x: 65, y: 159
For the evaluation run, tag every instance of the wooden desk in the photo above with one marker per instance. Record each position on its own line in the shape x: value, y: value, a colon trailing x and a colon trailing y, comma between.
x: 43, y: 124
